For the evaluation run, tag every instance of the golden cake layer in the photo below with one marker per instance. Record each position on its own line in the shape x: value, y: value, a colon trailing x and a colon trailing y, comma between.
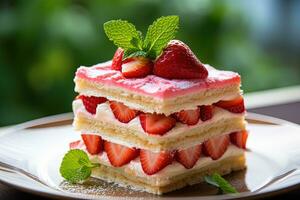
x: 158, y: 184
x: 132, y: 134
x: 153, y: 94
x: 154, y: 105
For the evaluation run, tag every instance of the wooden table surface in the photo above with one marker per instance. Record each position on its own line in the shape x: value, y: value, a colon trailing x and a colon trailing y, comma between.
x: 287, y: 111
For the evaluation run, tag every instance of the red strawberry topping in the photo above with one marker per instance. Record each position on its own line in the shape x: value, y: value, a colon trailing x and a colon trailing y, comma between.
x: 177, y: 61
x: 188, y: 157
x: 152, y: 162
x: 90, y: 103
x: 136, y: 67
x: 75, y: 144
x: 239, y: 138
x: 93, y: 143
x: 117, y: 59
x: 216, y: 146
x: 206, y: 112
x: 234, y: 106
x: 123, y: 113
x: 189, y: 117
x: 119, y: 155
x: 157, y: 124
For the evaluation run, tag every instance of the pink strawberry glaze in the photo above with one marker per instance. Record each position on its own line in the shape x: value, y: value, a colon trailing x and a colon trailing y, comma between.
x: 155, y: 86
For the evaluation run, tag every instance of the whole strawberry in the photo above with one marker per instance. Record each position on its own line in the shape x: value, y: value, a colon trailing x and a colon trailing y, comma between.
x: 177, y: 61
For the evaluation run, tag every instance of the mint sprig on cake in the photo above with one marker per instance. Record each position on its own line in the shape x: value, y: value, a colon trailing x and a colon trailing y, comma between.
x: 124, y: 35
x: 156, y: 53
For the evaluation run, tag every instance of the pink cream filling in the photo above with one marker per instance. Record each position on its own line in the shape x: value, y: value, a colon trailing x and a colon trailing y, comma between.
x: 155, y: 86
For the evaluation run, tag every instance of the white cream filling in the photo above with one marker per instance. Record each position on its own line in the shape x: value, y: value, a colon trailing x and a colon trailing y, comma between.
x: 169, y: 171
x: 104, y: 114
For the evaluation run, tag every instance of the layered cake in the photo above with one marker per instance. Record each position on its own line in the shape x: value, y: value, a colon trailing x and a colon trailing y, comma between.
x: 158, y: 120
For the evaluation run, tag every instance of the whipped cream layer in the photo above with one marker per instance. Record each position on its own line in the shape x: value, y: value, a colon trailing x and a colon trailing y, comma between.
x: 155, y: 86
x: 169, y: 171
x: 104, y: 114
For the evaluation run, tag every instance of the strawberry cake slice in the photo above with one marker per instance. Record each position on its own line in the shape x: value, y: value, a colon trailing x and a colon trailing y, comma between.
x: 155, y: 118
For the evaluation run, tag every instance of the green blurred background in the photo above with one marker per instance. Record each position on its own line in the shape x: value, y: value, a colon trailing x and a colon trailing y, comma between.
x: 42, y: 42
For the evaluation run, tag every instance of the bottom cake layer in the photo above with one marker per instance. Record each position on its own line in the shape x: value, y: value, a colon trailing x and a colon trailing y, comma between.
x: 163, y: 181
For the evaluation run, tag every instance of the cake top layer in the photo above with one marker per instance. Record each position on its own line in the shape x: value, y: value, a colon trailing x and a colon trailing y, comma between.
x: 156, y: 86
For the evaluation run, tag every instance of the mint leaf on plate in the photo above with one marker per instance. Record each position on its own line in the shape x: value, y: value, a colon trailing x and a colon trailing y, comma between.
x: 76, y: 166
x: 159, y: 34
x: 218, y: 181
x: 123, y: 34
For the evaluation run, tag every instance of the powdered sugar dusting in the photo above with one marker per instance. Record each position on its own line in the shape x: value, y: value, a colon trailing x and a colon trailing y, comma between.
x: 187, y: 84
x: 94, y: 73
x: 93, y: 188
x: 150, y: 88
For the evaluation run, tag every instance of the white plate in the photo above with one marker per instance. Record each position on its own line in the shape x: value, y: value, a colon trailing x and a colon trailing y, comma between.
x: 30, y: 155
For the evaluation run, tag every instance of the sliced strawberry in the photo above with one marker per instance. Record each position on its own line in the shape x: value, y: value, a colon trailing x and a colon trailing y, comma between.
x: 189, y: 117
x: 90, y: 103
x: 177, y: 61
x: 206, y: 112
x: 119, y: 155
x: 93, y: 143
x: 216, y: 146
x: 75, y: 144
x: 239, y: 138
x: 234, y: 106
x: 152, y: 162
x: 188, y: 157
x: 117, y: 59
x: 156, y: 124
x: 136, y: 67
x: 123, y: 113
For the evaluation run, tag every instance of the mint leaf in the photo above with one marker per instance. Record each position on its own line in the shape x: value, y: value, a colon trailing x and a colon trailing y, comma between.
x: 218, y: 181
x: 76, y: 166
x: 209, y: 180
x: 159, y: 34
x: 128, y: 54
x: 123, y: 34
